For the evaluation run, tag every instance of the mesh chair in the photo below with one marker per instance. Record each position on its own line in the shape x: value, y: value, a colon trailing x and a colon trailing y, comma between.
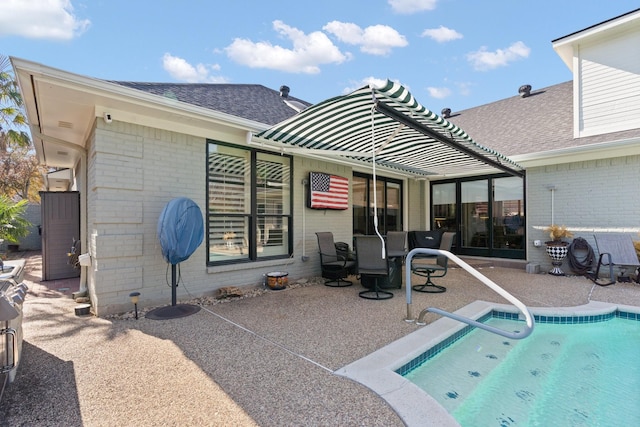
x: 396, y: 244
x: 334, y: 267
x: 437, y: 269
x: 372, y: 265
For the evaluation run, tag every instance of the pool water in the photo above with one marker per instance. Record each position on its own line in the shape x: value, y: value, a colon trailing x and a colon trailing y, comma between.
x: 585, y: 374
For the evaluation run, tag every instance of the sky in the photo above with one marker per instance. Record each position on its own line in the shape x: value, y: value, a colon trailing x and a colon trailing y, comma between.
x: 454, y: 54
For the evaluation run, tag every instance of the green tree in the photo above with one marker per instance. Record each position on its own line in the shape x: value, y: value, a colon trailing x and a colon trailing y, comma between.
x: 20, y: 174
x: 13, y: 225
x: 12, y: 118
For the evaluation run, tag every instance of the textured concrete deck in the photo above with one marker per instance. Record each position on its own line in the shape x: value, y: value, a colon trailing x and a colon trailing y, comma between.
x: 269, y: 360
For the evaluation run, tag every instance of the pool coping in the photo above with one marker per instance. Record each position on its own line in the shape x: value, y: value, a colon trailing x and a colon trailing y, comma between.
x: 377, y: 370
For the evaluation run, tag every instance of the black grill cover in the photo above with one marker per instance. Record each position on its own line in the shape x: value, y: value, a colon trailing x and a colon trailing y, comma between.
x: 425, y: 239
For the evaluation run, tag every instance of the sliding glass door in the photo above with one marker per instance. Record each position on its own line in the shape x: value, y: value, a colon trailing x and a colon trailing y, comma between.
x: 474, y: 228
x: 487, y: 213
x: 388, y: 197
x: 508, y: 216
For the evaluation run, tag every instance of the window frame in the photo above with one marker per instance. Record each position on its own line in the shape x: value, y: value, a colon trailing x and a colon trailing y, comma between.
x: 384, y: 181
x: 490, y: 250
x: 253, y: 214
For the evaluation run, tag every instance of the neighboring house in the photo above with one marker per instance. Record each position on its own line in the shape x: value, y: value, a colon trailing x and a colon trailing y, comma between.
x: 241, y: 152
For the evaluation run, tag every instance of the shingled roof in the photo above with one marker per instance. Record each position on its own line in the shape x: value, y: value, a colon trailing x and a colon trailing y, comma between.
x: 249, y: 101
x: 539, y: 122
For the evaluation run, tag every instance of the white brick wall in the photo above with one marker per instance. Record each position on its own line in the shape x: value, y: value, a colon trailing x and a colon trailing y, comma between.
x: 133, y: 172
x: 418, y: 217
x: 127, y: 194
x: 592, y: 196
x: 338, y: 222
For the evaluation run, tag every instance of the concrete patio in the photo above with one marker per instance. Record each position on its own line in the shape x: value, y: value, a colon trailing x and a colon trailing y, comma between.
x: 267, y: 360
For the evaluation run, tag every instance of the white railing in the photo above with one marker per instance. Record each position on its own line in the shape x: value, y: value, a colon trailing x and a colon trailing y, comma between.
x: 485, y: 280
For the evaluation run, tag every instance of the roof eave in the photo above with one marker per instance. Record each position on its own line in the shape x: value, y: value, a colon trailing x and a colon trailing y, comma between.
x: 114, y: 90
x: 52, y: 96
x: 597, y: 151
x: 565, y: 46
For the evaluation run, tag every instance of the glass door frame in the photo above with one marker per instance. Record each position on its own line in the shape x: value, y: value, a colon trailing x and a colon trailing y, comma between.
x: 383, y: 218
x: 492, y: 249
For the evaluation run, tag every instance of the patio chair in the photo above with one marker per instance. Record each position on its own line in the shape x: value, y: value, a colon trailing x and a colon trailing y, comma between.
x: 334, y: 267
x: 372, y: 266
x: 396, y: 244
x: 437, y: 269
x: 618, y: 250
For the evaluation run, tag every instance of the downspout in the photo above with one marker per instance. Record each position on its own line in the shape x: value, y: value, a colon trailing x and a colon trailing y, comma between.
x: 305, y: 189
x: 83, y: 291
x: 552, y: 188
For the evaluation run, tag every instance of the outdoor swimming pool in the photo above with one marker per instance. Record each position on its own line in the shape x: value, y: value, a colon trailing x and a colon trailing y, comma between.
x: 561, y: 371
x: 573, y: 371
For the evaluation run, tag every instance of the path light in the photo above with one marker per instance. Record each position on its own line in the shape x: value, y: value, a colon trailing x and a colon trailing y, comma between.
x: 135, y: 297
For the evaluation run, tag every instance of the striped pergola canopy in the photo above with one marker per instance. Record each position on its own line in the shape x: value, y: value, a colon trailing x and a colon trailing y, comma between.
x: 389, y: 126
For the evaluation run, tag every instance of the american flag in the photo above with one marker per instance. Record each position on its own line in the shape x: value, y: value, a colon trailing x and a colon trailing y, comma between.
x: 328, y: 191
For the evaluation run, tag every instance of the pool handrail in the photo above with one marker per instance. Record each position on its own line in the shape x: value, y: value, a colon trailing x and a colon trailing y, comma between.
x: 485, y: 280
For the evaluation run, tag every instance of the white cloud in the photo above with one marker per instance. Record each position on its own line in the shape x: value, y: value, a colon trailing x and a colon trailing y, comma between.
x: 441, y: 34
x: 439, y: 92
x: 181, y: 70
x: 41, y: 19
x: 412, y: 6
x: 464, y: 88
x: 308, y: 53
x: 483, y: 60
x: 375, y: 39
x: 357, y: 84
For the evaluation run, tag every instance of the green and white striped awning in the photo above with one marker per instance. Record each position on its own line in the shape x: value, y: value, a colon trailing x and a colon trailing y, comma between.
x: 389, y: 126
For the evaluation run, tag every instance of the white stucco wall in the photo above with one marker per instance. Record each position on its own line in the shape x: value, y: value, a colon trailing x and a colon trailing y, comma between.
x: 591, y: 196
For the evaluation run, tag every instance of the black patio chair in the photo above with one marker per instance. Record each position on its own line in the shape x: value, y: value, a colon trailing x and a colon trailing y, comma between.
x: 372, y: 266
x: 397, y: 244
x: 437, y: 269
x: 334, y: 267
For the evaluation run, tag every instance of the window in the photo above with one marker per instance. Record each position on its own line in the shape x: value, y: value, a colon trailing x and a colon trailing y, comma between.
x: 389, y: 201
x: 249, y: 205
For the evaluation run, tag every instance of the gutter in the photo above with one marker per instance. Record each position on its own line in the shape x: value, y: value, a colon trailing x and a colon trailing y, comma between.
x: 597, y: 151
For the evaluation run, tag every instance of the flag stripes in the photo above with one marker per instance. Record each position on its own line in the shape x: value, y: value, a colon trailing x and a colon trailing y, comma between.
x: 328, y: 191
